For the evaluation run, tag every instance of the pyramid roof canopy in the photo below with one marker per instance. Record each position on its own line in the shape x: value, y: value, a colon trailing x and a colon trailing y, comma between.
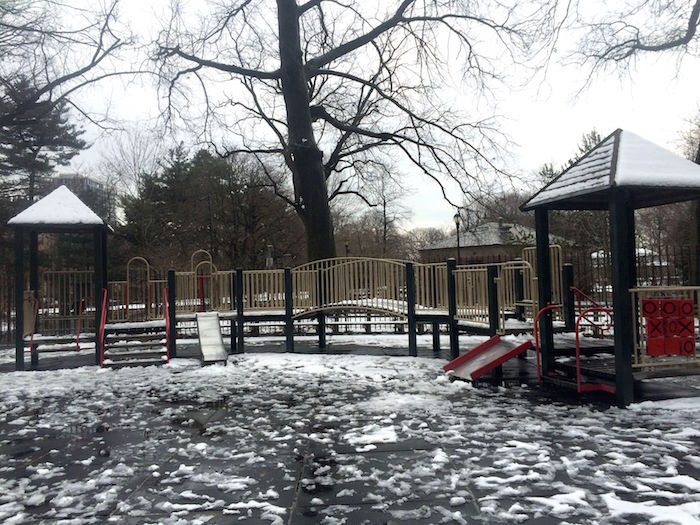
x: 650, y: 175
x: 59, y: 209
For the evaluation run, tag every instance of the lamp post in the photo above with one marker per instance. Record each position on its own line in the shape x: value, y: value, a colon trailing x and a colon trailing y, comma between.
x: 457, y: 220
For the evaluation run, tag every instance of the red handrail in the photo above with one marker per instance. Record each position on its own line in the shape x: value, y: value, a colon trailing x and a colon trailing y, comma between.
x: 580, y: 294
x: 544, y: 310
x: 605, y: 309
x: 167, y: 325
x: 101, y: 333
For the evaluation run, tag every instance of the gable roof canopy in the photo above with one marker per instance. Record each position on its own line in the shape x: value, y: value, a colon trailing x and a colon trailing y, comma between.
x: 649, y: 174
x: 60, y: 210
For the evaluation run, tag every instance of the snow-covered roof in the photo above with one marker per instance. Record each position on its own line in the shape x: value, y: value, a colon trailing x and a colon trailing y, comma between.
x: 623, y: 160
x: 59, y: 208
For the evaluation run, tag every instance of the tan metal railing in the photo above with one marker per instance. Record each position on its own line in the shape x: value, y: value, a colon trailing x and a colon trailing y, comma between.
x: 263, y: 290
x: 529, y: 255
x: 641, y: 358
x: 350, y: 282
x: 431, y: 286
x: 509, y: 274
x: 472, y: 295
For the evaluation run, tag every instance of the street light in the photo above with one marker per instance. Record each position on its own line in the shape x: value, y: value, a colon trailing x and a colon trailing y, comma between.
x: 457, y: 220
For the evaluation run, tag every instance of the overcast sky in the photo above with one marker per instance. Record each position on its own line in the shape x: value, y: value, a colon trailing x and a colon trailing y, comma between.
x: 545, y: 119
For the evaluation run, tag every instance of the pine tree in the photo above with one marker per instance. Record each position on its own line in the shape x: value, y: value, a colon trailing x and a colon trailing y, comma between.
x: 31, y: 148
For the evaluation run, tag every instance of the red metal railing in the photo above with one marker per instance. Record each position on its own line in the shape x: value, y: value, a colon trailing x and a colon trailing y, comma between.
x: 587, y: 387
x: 101, y: 333
x: 543, y: 311
x: 591, y: 322
x: 167, y: 325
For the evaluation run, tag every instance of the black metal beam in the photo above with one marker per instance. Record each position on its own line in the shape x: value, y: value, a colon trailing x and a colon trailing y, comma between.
x: 321, y: 317
x: 544, y: 288
x: 98, y: 286
x: 411, y: 309
x: 288, y: 310
x: 19, y: 299
x: 172, y: 314
x: 452, y: 309
x: 567, y: 280
x: 240, y: 348
x: 622, y: 248
x: 492, y: 288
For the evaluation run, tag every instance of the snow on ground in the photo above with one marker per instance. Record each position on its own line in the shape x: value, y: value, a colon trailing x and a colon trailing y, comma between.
x: 332, y: 439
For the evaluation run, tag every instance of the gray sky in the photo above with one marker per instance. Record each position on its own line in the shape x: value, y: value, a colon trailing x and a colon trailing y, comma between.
x: 545, y: 119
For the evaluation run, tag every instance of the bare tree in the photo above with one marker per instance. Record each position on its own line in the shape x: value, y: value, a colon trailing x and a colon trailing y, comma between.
x: 618, y: 35
x: 331, y: 88
x: 59, y: 49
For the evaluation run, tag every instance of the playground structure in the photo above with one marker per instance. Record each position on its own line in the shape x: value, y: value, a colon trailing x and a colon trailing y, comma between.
x: 654, y: 328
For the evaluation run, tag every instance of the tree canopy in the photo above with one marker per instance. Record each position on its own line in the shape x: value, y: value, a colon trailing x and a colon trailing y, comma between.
x: 331, y: 90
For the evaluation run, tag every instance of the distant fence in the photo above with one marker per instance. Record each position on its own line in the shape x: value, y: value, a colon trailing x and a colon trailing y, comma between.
x: 658, y: 265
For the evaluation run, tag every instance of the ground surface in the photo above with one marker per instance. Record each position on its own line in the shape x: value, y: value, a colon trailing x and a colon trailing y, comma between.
x: 281, y: 438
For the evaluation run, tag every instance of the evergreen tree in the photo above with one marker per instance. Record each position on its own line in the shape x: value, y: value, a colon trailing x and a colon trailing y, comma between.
x: 31, y: 149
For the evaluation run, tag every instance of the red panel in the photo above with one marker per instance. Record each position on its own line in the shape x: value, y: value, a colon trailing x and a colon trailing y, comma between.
x: 686, y: 308
x: 656, y: 346
x: 656, y: 327
x: 471, y: 354
x: 670, y: 307
x: 685, y: 327
x: 673, y: 346
x: 527, y: 345
x: 650, y: 307
x: 687, y: 346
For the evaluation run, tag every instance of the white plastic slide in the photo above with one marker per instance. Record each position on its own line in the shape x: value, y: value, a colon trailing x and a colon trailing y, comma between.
x: 211, y: 343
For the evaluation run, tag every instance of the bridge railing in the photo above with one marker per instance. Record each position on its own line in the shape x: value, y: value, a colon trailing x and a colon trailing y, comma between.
x: 472, y: 296
x: 431, y: 286
x: 263, y: 290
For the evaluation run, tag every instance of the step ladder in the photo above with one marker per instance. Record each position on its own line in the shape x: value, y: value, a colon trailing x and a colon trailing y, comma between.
x: 135, y: 344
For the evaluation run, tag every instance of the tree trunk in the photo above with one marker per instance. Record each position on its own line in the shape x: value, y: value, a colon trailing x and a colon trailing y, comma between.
x: 310, y: 180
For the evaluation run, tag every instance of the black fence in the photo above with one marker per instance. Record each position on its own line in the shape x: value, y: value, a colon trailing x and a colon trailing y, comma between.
x: 664, y: 265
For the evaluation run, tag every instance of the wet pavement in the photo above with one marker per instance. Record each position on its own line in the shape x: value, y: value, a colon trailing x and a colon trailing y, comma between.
x: 340, y: 438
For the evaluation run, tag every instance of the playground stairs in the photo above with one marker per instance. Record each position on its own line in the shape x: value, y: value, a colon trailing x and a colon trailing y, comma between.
x: 135, y: 344
x: 567, y: 380
x: 60, y: 343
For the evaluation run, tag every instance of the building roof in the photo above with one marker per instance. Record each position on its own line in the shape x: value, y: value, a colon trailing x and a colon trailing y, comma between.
x: 490, y: 234
x: 650, y: 174
x: 59, y: 208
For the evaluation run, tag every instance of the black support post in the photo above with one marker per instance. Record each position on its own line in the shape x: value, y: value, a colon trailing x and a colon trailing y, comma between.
x: 288, y: 311
x: 98, y: 286
x: 239, y: 311
x: 492, y: 287
x: 411, y: 309
x: 19, y: 299
x: 452, y: 308
x: 436, y: 324
x: 544, y: 288
x: 491, y: 276
x: 34, y: 263
x: 519, y: 286
x: 232, y: 303
x: 321, y: 317
x: 623, y: 278
x: 567, y: 281
x: 172, y: 314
